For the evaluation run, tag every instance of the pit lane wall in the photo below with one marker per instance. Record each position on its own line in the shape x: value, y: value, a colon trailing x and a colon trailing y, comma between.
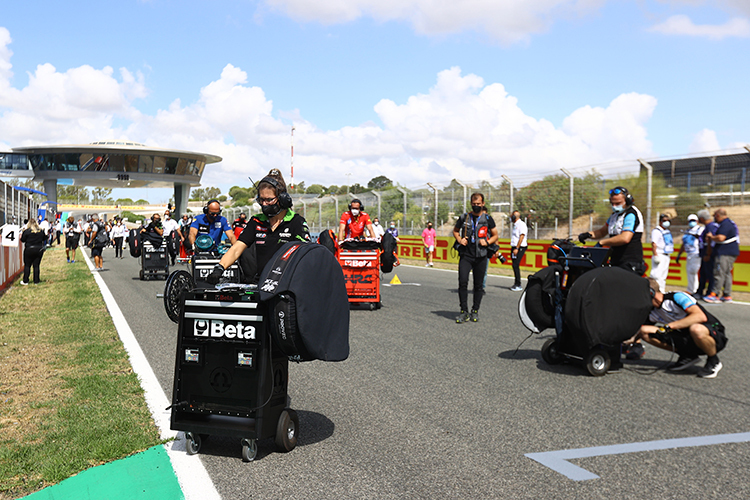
x: 536, y: 258
x: 11, y: 264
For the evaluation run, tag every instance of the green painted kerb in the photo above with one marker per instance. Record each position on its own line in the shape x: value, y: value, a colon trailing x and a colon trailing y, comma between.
x: 148, y: 474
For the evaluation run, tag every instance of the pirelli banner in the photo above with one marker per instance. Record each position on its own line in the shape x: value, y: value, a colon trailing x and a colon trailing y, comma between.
x: 410, y: 247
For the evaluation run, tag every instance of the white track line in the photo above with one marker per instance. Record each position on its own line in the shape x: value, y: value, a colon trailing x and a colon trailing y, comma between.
x: 191, y: 474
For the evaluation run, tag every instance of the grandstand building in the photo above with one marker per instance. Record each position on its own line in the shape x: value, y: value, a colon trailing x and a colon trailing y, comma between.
x: 111, y: 164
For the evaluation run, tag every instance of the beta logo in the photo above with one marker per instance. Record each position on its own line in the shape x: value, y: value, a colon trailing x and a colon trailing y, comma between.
x: 356, y: 263
x: 216, y: 329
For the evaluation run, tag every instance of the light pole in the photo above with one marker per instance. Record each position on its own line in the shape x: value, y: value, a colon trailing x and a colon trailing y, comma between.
x: 435, y: 222
x: 570, y: 209
x: 510, y: 182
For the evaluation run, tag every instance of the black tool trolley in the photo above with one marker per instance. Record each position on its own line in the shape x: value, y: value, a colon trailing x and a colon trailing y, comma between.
x: 229, y: 380
x: 204, y: 262
x: 154, y: 261
x: 592, y: 307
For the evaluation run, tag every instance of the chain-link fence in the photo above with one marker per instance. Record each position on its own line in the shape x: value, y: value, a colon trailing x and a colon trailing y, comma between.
x: 555, y: 204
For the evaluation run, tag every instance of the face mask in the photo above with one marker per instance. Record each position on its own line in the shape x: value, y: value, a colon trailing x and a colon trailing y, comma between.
x: 665, y: 224
x: 476, y: 209
x: 618, y: 208
x: 393, y: 227
x: 166, y: 217
x: 355, y: 212
x: 271, y: 210
x: 692, y: 223
x: 429, y: 227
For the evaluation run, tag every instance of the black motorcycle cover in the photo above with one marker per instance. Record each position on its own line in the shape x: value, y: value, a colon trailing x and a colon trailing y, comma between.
x: 536, y: 307
x: 134, y: 242
x: 303, y: 287
x: 606, y: 306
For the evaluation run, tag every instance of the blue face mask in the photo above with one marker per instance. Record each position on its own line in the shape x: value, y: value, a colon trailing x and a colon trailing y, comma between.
x: 665, y: 224
x: 618, y: 208
x: 692, y: 223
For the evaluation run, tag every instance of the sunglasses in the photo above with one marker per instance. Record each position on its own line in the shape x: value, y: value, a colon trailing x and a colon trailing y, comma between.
x: 618, y: 190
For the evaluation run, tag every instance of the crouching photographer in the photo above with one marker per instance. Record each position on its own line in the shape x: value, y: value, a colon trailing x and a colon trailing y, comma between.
x: 688, y: 329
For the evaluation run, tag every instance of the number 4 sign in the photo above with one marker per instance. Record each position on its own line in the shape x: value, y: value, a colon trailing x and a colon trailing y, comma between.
x: 11, y: 235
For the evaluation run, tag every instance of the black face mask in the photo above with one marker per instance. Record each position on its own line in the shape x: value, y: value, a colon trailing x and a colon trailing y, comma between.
x: 271, y: 210
x: 477, y: 210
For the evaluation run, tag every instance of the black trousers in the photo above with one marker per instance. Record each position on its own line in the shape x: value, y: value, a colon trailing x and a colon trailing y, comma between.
x: 706, y: 275
x: 31, y: 258
x: 478, y: 267
x: 517, y: 265
x: 118, y: 246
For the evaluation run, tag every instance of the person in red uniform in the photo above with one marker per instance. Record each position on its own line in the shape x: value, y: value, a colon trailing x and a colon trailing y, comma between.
x: 354, y: 222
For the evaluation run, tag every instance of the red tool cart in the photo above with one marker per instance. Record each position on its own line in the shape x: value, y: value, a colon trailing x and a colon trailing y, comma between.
x: 360, y: 261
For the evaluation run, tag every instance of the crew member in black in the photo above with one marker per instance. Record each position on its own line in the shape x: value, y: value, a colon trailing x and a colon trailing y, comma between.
x: 622, y: 232
x: 474, y: 232
x: 267, y: 231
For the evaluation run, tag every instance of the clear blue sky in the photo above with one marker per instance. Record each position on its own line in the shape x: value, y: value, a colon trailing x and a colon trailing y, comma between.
x: 417, y: 90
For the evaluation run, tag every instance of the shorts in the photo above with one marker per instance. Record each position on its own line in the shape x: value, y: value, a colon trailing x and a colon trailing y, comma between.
x: 71, y: 242
x: 684, y: 345
x: 96, y: 251
x: 429, y: 249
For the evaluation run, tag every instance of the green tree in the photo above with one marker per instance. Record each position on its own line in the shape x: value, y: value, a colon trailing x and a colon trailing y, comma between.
x: 123, y: 201
x: 380, y: 182
x: 356, y: 188
x: 100, y: 194
x: 332, y: 189
x: 315, y: 189
x: 686, y: 204
x: 549, y: 198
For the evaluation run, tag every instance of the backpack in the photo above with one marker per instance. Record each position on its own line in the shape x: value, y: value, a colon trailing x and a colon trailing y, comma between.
x: 558, y: 250
x: 102, y: 238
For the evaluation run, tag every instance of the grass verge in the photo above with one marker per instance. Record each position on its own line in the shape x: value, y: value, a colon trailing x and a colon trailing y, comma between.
x: 69, y: 399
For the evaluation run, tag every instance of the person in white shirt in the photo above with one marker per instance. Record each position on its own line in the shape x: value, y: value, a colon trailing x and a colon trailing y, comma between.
x: 72, y: 230
x: 518, y: 245
x: 379, y: 231
x: 691, y: 247
x: 119, y: 231
x: 662, y: 245
x: 172, y: 230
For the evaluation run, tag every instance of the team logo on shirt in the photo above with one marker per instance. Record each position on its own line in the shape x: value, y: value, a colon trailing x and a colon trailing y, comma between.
x: 260, y: 235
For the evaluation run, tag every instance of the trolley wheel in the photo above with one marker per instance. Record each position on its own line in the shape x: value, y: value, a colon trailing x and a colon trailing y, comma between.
x: 177, y: 283
x: 193, y: 443
x: 287, y: 430
x: 372, y: 306
x: 249, y: 450
x: 597, y: 362
x: 550, y: 354
x: 140, y: 274
x: 378, y: 305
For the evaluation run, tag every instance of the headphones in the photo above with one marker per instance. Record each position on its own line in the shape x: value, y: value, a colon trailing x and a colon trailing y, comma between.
x: 285, y: 200
x: 205, y: 209
x: 361, y: 205
x: 629, y: 200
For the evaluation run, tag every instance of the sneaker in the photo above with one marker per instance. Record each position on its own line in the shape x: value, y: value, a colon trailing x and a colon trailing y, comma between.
x: 463, y: 317
x: 711, y: 369
x: 68, y: 261
x: 516, y: 288
x: 72, y: 262
x: 712, y: 298
x: 635, y: 351
x: 726, y: 299
x: 682, y: 363
x: 474, y: 316
x: 24, y: 283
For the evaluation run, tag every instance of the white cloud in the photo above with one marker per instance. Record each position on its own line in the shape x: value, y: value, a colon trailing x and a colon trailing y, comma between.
x: 704, y: 141
x: 683, y: 25
x: 508, y: 21
x: 462, y: 127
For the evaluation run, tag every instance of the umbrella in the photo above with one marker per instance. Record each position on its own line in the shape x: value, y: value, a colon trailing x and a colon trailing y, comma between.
x: 21, y: 188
